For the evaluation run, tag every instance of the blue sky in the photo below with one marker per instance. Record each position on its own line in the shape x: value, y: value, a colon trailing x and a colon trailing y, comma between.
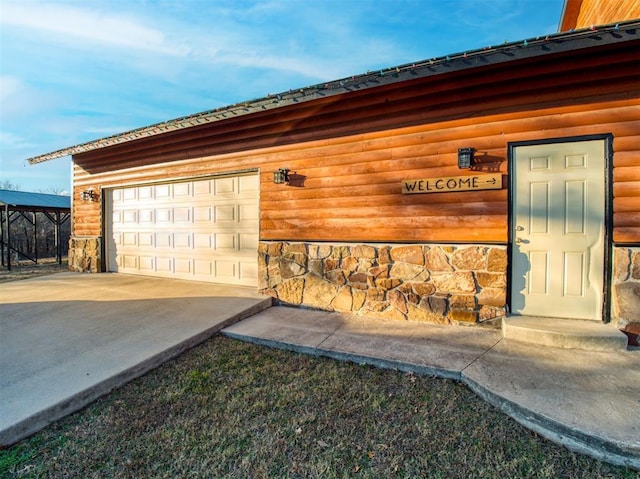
x: 77, y: 70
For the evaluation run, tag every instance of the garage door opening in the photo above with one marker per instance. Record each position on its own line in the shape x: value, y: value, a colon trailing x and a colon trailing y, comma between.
x: 202, y: 230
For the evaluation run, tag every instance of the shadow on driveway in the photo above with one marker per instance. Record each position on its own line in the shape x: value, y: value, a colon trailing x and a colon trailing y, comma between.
x: 69, y: 338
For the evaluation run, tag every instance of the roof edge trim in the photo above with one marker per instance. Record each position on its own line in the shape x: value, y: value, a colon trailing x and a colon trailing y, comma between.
x: 397, y: 74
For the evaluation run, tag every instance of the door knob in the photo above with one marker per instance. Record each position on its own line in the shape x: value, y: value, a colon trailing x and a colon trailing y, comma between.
x: 519, y: 241
x: 519, y: 228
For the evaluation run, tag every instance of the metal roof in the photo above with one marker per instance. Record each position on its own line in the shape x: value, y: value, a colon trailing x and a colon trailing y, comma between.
x: 22, y: 199
x: 507, y: 52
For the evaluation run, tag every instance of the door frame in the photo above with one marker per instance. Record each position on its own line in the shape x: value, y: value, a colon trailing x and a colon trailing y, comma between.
x: 608, y: 213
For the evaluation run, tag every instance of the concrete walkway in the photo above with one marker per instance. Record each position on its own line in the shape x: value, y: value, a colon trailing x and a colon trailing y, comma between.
x: 69, y: 338
x: 587, y: 401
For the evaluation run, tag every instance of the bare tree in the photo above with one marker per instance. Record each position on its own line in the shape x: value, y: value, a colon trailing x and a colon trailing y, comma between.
x: 8, y: 185
x: 52, y: 190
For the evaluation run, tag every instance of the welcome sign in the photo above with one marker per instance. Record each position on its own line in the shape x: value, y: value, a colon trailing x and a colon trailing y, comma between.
x: 491, y: 181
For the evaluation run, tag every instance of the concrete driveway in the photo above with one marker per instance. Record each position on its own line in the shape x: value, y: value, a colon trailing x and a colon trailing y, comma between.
x: 69, y: 338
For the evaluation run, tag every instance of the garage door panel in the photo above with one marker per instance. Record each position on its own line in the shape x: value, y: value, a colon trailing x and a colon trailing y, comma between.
x: 164, y: 264
x: 202, y: 189
x: 247, y: 212
x: 147, y: 263
x: 129, y: 194
x: 130, y: 217
x: 130, y: 239
x: 163, y: 240
x: 204, y: 229
x: 162, y: 191
x: 224, y: 186
x: 181, y: 190
x: 182, y: 266
x: 225, y: 241
x: 145, y: 216
x: 202, y: 240
x: 130, y: 261
x: 181, y: 240
x: 225, y: 269
x: 203, y: 268
x: 249, y: 270
x: 145, y: 193
x: 181, y: 215
x: 145, y: 239
x: 163, y: 216
x: 225, y: 213
x: 248, y: 184
x: 248, y: 242
x: 202, y: 213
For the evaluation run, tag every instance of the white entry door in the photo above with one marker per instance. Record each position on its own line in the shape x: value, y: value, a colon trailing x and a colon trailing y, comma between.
x: 204, y: 230
x: 559, y: 230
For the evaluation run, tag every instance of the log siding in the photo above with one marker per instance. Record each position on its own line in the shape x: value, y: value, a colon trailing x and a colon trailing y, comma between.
x: 350, y: 152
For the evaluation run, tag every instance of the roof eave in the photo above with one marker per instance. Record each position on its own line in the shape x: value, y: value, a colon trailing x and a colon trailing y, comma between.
x: 507, y: 52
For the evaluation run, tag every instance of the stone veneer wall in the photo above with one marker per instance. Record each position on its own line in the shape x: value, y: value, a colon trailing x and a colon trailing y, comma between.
x: 84, y: 254
x: 626, y: 286
x: 434, y: 283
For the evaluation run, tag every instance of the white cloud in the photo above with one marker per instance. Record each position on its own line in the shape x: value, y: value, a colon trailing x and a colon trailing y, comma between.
x: 298, y: 65
x: 304, y: 41
x: 19, y: 100
x: 89, y: 25
x: 13, y: 142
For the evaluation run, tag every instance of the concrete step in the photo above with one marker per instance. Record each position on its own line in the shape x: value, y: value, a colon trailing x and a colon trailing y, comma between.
x: 564, y: 333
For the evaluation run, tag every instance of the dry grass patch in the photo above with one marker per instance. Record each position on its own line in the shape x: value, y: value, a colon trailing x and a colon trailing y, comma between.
x: 28, y: 269
x: 227, y: 409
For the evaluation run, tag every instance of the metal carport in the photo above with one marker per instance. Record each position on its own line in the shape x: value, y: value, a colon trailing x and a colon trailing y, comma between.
x: 15, y: 204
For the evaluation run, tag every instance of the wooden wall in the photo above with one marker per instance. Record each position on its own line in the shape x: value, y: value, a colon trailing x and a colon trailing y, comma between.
x: 351, y: 152
x: 584, y: 13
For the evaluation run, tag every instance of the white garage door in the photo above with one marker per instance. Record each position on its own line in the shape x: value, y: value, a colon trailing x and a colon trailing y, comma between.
x: 204, y: 230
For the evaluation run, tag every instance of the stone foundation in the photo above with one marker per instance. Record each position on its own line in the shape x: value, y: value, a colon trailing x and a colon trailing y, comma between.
x: 434, y: 283
x: 626, y: 286
x: 84, y: 254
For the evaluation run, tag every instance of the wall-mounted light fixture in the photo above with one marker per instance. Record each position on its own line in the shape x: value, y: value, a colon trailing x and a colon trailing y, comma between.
x: 89, y: 195
x: 465, y: 157
x: 281, y: 176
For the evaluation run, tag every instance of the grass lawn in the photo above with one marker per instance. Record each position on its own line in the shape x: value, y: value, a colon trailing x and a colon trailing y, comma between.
x: 227, y: 409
